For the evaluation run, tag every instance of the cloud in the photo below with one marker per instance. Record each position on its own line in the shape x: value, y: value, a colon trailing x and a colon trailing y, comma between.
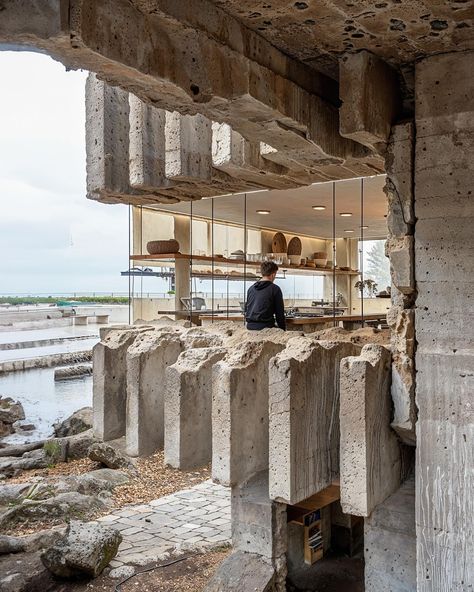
x: 51, y: 237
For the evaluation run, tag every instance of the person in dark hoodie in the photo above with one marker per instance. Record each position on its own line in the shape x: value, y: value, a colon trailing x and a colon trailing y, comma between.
x: 265, y: 301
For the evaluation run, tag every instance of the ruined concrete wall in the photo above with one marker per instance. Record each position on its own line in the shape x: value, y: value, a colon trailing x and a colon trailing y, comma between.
x: 444, y: 263
x: 110, y: 382
x: 188, y: 408
x: 304, y: 417
x: 147, y: 359
x: 370, y: 463
x: 390, y: 544
x: 400, y: 249
x: 240, y: 412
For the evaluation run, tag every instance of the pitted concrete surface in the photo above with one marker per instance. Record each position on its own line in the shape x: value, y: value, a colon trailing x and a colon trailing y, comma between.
x: 193, y: 518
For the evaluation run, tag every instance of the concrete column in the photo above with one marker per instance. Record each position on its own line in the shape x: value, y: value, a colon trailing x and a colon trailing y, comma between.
x: 147, y: 359
x: 188, y: 408
x: 182, y: 233
x: 240, y: 412
x: 304, y: 418
x: 444, y: 266
x: 110, y: 382
x: 370, y: 463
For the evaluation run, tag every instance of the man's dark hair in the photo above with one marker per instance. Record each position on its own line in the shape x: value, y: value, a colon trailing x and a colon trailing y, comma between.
x: 268, y: 267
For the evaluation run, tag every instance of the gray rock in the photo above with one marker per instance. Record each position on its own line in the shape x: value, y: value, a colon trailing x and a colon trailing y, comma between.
x: 24, y: 427
x: 11, y: 492
x: 75, y: 447
x: 110, y: 456
x: 12, y: 465
x: 100, y: 480
x: 10, y: 544
x: 64, y: 505
x: 86, y: 549
x: 124, y: 571
x: 78, y: 422
x: 44, y: 538
x: 25, y: 573
x: 10, y: 410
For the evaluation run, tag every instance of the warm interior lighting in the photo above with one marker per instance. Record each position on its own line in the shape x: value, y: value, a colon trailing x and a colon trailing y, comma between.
x: 364, y: 227
x: 263, y: 211
x: 348, y: 230
x: 345, y: 214
x: 319, y: 208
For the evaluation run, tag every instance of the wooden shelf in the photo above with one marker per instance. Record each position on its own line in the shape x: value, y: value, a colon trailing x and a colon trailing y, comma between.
x: 238, y: 263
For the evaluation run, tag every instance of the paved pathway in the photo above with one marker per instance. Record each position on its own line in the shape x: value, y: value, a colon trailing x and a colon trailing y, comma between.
x: 189, y: 519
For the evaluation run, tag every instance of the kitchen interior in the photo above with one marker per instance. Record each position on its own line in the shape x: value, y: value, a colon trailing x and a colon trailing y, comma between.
x: 207, y: 252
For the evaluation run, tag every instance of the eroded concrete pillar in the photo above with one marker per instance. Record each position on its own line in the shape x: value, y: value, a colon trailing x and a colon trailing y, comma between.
x: 304, y: 417
x: 147, y: 359
x: 444, y: 265
x: 188, y: 408
x: 110, y: 382
x: 370, y: 464
x: 240, y: 412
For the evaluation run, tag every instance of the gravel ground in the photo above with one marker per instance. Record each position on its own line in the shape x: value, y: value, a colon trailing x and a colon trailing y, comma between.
x: 154, y: 480
x: 190, y: 575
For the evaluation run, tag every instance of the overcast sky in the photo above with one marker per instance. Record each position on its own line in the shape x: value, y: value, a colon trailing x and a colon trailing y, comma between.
x: 52, y: 239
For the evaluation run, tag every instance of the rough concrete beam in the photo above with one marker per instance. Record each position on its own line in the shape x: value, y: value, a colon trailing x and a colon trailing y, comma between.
x: 188, y: 408
x: 107, y: 137
x: 147, y: 145
x: 370, y: 463
x: 147, y: 359
x: 371, y: 98
x: 241, y: 159
x: 178, y: 67
x: 240, y: 412
x: 110, y: 382
x: 304, y: 417
x: 187, y: 147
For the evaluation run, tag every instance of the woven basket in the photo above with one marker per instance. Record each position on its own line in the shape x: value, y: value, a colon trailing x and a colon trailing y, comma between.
x: 294, y: 246
x: 279, y: 243
x: 162, y: 247
x: 320, y: 255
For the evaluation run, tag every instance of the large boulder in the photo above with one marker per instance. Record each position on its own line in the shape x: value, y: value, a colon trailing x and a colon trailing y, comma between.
x: 10, y: 544
x: 11, y: 466
x: 78, y: 422
x: 66, y: 505
x: 110, y: 456
x: 86, y: 549
x: 30, y: 543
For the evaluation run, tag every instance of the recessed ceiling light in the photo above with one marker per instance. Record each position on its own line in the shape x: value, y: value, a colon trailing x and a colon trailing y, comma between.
x: 348, y: 230
x: 263, y: 211
x: 364, y: 227
x: 319, y: 208
x: 345, y: 214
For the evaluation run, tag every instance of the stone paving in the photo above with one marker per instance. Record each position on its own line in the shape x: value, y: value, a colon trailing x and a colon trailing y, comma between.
x: 195, y: 518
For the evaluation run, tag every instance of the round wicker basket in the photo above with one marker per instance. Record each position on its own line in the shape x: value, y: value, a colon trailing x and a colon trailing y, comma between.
x: 162, y: 247
x: 294, y: 246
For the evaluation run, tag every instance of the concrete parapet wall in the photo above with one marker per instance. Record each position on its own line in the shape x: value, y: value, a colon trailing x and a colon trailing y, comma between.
x: 304, y: 417
x: 370, y: 464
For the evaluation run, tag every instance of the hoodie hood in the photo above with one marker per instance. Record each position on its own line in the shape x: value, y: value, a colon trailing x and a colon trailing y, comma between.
x: 261, y: 285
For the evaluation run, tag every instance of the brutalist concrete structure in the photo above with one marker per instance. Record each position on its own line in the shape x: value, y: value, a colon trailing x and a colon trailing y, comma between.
x: 192, y: 99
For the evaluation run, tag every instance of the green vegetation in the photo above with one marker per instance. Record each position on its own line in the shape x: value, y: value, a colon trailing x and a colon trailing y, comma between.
x: 55, y: 299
